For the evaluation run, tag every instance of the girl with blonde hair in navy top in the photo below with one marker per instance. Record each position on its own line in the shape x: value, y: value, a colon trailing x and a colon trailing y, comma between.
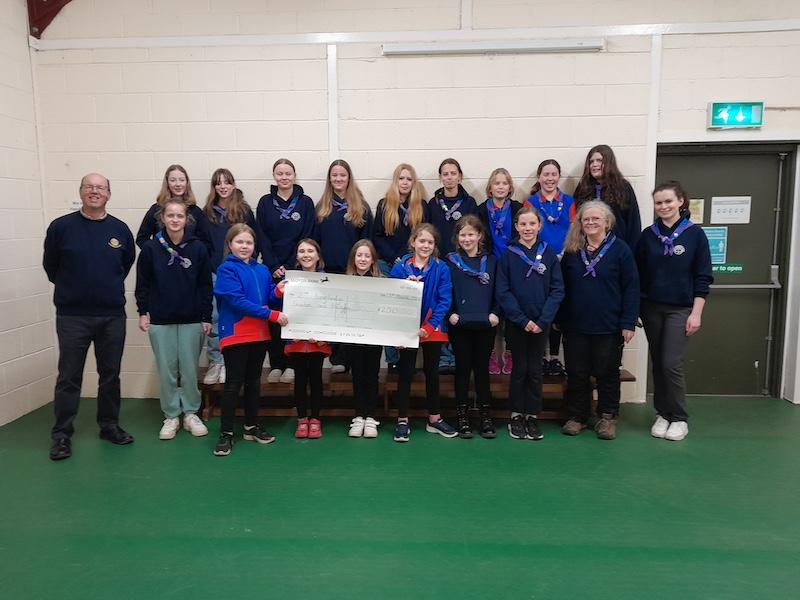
x: 529, y: 291
x: 556, y: 210
x: 598, y: 316
x: 473, y: 318
x: 285, y: 216
x: 675, y: 271
x: 422, y: 265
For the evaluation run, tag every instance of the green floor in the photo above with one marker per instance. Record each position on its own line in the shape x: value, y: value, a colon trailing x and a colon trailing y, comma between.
x: 715, y: 516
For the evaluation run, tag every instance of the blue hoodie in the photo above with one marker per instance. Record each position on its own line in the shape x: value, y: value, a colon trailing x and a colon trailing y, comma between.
x: 437, y: 295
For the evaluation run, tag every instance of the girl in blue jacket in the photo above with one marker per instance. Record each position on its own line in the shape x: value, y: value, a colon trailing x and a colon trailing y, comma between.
x: 529, y: 291
x: 422, y: 265
x: 244, y: 288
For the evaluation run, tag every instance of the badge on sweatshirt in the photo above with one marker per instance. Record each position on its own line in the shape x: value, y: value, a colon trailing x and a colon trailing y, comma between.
x: 541, y: 268
x: 679, y: 249
x: 114, y: 243
x: 457, y: 215
x: 346, y: 217
x: 295, y: 216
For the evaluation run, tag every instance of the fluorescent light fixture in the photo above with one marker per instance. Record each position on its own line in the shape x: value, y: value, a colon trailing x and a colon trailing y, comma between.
x: 496, y: 47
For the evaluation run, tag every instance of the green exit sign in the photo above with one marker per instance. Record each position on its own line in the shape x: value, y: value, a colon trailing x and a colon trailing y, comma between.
x: 730, y: 115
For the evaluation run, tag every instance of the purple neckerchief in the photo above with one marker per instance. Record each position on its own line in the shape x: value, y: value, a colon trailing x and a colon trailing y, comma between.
x: 543, y: 203
x: 504, y: 212
x: 480, y: 273
x: 669, y: 240
x: 448, y: 213
x: 286, y: 213
x: 220, y: 211
x: 411, y: 269
x: 535, y: 265
x: 340, y: 205
x: 173, y: 255
x: 591, y: 264
x: 404, y: 210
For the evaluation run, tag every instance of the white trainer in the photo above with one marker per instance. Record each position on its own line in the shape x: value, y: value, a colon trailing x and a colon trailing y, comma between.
x: 212, y: 375
x: 677, y: 431
x: 194, y: 425
x: 287, y: 377
x: 659, y: 428
x: 169, y: 428
x: 221, y: 378
x: 338, y: 369
x: 274, y: 376
x: 371, y: 427
x: 356, y: 427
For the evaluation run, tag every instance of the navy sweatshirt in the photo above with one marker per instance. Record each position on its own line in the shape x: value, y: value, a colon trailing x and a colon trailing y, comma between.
x: 170, y: 293
x: 218, y: 229
x: 446, y: 226
x: 508, y: 227
x: 473, y: 300
x: 677, y: 279
x: 535, y: 298
x: 604, y: 304
x: 88, y: 261
x: 199, y: 229
x: 390, y: 247
x: 336, y: 237
x: 280, y: 235
x: 628, y: 225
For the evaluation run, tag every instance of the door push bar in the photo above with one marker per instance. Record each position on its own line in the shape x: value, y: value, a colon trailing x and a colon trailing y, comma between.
x: 774, y: 284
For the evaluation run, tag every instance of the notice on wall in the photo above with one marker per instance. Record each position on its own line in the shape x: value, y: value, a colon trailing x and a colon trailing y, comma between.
x: 697, y: 207
x: 717, y: 243
x: 730, y: 209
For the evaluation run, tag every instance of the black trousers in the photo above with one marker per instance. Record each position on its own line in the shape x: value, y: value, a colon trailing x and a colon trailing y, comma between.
x: 366, y: 364
x: 527, y: 350
x: 472, y: 348
x: 307, y: 374
x: 555, y: 341
x: 277, y: 357
x: 243, y: 364
x: 405, y: 372
x: 665, y: 327
x: 75, y: 334
x: 587, y: 355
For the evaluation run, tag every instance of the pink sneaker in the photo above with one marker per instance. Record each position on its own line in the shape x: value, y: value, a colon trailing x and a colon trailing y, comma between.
x: 508, y: 363
x: 494, y: 366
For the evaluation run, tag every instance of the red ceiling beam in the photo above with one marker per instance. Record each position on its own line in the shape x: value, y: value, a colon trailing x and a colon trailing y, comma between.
x: 41, y: 13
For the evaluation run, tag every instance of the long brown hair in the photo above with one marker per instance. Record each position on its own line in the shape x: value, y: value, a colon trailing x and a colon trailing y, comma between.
x: 357, y: 207
x: 351, y: 269
x: 315, y: 245
x: 236, y: 210
x: 165, y: 194
x: 477, y: 225
x: 575, y: 238
x: 614, y: 184
x: 392, y: 201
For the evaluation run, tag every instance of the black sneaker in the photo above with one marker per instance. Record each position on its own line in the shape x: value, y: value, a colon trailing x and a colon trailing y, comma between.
x: 532, y: 429
x: 487, y: 426
x: 464, y: 429
x: 256, y: 434
x: 441, y: 427
x: 555, y: 368
x: 402, y: 431
x: 516, y: 428
x: 545, y: 367
x: 224, y: 444
x: 61, y: 449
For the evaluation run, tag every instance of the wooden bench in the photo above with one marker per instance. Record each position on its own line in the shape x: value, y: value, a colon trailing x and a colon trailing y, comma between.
x: 338, y: 395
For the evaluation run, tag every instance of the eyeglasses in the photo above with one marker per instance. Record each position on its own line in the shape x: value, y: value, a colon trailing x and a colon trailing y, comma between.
x: 591, y: 220
x: 94, y: 188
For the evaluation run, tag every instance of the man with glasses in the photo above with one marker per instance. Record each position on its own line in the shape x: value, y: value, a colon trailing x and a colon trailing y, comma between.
x: 87, y: 255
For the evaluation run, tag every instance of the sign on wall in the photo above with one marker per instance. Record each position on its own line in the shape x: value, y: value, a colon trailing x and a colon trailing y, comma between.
x: 717, y: 243
x: 735, y: 115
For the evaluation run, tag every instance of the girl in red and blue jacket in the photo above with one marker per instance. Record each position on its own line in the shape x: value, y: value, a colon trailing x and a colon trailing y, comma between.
x: 243, y: 289
x: 422, y: 265
x: 306, y: 356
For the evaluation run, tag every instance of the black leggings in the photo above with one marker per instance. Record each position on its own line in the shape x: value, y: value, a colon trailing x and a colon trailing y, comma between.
x: 243, y: 364
x: 277, y: 358
x: 555, y: 341
x: 472, y: 348
x: 527, y: 349
x: 405, y: 371
x: 307, y: 373
x: 366, y: 364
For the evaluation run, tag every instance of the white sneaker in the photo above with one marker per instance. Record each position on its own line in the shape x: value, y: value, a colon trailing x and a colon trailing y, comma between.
x: 221, y: 378
x: 194, y: 425
x: 274, y: 376
x: 371, y: 427
x: 337, y: 369
x: 212, y: 375
x: 356, y: 427
x: 169, y: 428
x: 677, y: 431
x: 287, y: 377
x: 659, y: 428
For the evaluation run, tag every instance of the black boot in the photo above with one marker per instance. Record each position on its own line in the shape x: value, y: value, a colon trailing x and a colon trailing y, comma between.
x: 487, y: 427
x: 464, y: 430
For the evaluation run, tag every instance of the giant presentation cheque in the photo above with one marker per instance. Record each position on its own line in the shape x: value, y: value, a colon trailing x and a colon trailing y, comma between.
x: 356, y: 310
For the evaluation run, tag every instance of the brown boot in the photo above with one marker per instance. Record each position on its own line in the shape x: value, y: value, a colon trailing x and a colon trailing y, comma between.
x: 573, y: 427
x: 606, y: 427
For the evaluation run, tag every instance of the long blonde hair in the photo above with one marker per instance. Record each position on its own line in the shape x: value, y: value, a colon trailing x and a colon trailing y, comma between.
x: 165, y: 194
x: 575, y: 238
x: 374, y: 270
x: 357, y: 207
x: 392, y: 201
x: 236, y: 210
